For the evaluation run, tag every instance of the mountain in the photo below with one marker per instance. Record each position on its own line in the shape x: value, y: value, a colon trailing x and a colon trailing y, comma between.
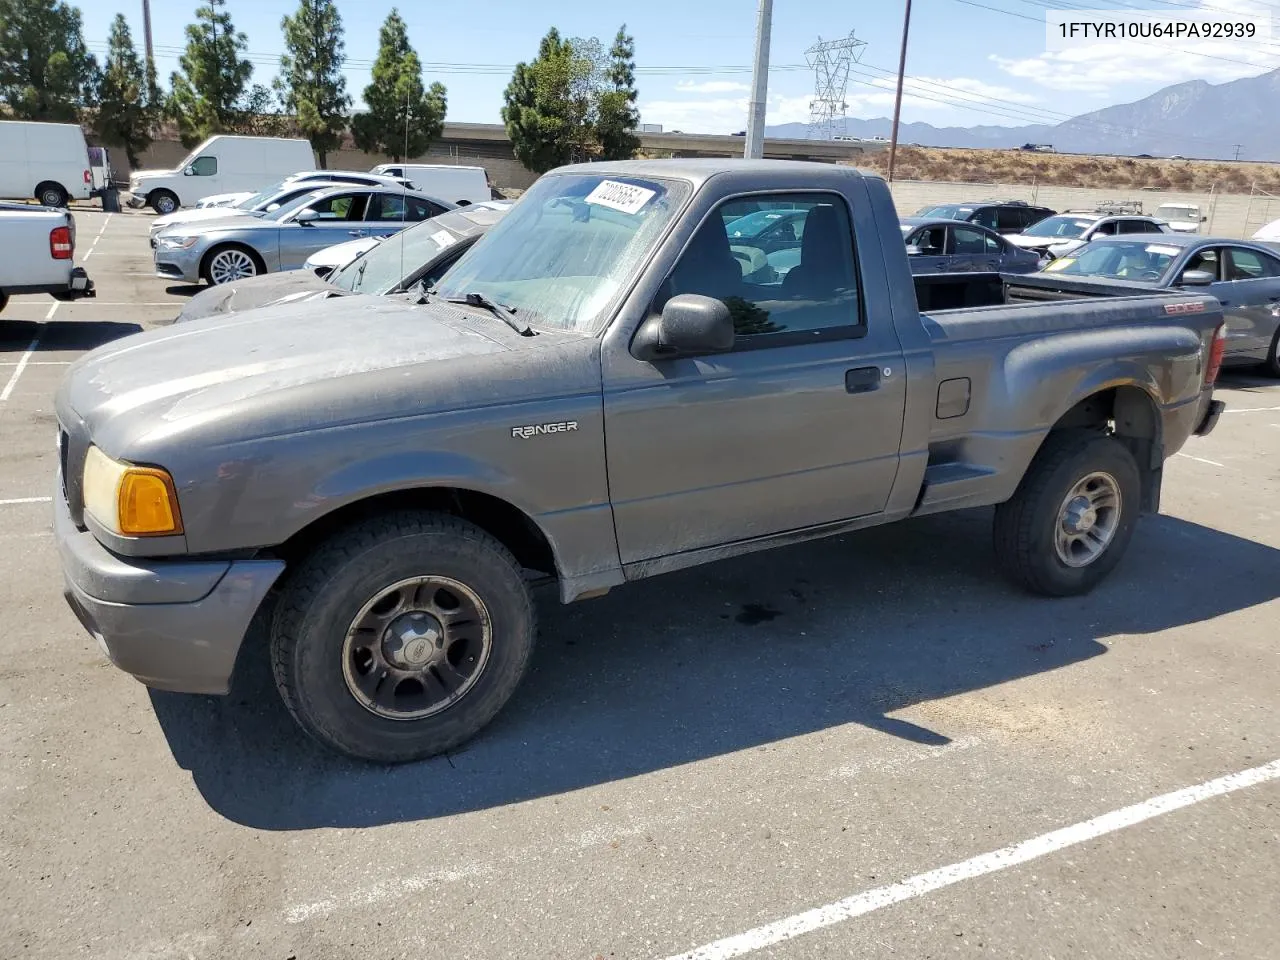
x: 1192, y: 119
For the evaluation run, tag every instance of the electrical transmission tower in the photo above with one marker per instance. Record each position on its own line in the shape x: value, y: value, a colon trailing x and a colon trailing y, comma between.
x: 830, y: 61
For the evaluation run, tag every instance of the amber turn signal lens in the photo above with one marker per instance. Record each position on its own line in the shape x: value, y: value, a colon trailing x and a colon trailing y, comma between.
x: 148, y: 503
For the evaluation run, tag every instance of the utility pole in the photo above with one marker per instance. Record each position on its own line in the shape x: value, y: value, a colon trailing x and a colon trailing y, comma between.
x: 1237, y: 146
x: 897, y: 100
x: 759, y: 84
x: 146, y: 32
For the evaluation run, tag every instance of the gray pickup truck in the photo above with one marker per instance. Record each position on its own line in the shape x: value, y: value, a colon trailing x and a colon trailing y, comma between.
x: 602, y: 389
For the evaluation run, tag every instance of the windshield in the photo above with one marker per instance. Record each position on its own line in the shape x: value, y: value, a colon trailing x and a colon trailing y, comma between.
x: 258, y: 199
x: 568, y: 248
x: 754, y: 224
x: 1059, y: 227
x: 399, y: 255
x: 1118, y: 260
x: 287, y: 208
x: 948, y: 211
x: 1173, y: 212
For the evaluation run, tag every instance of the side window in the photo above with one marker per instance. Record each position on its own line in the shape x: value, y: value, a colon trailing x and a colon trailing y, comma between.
x: 932, y: 241
x: 396, y: 206
x: 994, y: 244
x: 969, y: 242
x: 1249, y: 265
x: 806, y: 290
x: 1106, y: 230
x: 341, y: 206
x: 1208, y: 261
x: 984, y: 217
x: 204, y: 166
x: 1138, y: 226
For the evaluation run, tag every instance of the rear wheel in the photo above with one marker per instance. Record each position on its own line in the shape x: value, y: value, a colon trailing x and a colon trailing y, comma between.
x: 1272, y: 363
x: 52, y: 195
x: 229, y: 264
x: 1072, y: 517
x: 163, y: 202
x: 401, y: 637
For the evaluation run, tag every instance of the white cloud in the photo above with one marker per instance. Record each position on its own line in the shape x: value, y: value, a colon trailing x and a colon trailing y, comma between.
x: 1113, y: 70
x: 712, y: 86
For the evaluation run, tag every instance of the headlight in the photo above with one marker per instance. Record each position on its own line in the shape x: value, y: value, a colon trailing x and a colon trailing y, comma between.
x: 176, y: 243
x: 128, y: 500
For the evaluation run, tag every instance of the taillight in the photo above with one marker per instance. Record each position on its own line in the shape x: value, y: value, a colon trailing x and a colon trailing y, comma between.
x: 88, y: 177
x: 61, y: 246
x: 1216, y: 349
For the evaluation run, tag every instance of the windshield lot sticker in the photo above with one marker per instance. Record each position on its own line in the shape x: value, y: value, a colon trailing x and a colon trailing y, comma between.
x: 443, y: 238
x: 1059, y: 264
x: 625, y: 197
x: 1163, y: 251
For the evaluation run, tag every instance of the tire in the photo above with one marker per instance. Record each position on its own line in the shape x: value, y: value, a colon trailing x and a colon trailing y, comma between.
x: 1272, y: 363
x: 318, y: 671
x: 229, y: 263
x: 52, y: 195
x: 1028, y: 525
x: 4, y: 300
x: 163, y: 202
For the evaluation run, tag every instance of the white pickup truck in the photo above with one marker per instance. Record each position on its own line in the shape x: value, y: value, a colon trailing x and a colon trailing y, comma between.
x: 39, y: 245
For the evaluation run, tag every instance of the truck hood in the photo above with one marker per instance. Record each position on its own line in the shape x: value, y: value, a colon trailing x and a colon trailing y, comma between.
x: 142, y: 176
x: 281, y: 369
x: 269, y: 289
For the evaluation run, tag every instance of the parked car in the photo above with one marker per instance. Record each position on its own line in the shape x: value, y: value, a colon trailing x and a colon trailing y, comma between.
x: 1059, y: 235
x: 417, y: 255
x: 1243, y: 276
x: 1269, y: 233
x: 1003, y: 216
x: 233, y: 248
x: 325, y: 261
x: 48, y: 162
x: 221, y: 164
x: 1181, y: 217
x: 266, y: 201
x: 457, y: 184
x: 310, y: 176
x: 941, y: 245
x: 594, y: 394
x: 39, y: 245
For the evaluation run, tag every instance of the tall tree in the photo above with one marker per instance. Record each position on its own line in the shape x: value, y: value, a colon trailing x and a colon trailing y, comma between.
x: 402, y: 118
x: 544, y: 106
x: 311, y: 84
x: 616, y: 113
x: 127, y: 106
x: 45, y: 71
x: 207, y: 93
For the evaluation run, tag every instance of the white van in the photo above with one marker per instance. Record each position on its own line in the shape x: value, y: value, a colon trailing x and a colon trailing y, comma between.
x: 444, y: 181
x: 222, y: 164
x: 47, y: 161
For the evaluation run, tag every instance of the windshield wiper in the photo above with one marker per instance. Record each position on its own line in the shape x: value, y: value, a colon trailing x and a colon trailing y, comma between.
x: 499, y: 310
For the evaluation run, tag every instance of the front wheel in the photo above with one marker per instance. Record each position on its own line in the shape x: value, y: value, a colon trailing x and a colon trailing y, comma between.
x: 1072, y: 516
x: 229, y: 264
x: 163, y: 202
x: 1272, y: 363
x: 402, y: 637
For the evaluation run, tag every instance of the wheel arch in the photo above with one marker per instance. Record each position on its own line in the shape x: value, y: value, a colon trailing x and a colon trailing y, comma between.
x: 52, y: 183
x: 218, y: 246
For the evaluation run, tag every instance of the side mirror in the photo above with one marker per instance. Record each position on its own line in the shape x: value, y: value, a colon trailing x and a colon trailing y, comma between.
x: 189, y: 172
x: 690, y: 325
x: 272, y: 207
x: 306, y: 217
x: 1196, y: 278
x: 913, y: 250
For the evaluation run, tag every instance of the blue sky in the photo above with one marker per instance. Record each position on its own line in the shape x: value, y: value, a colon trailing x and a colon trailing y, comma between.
x: 968, y: 65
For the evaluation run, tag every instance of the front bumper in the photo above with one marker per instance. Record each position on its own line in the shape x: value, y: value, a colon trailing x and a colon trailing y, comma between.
x: 181, y: 265
x: 135, y: 200
x: 173, y: 624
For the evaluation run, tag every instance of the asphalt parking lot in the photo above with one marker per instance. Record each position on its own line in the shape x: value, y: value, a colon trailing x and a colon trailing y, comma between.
x: 804, y: 753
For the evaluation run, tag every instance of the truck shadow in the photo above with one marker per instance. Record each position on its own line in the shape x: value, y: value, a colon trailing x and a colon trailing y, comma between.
x: 16, y: 336
x: 723, y: 658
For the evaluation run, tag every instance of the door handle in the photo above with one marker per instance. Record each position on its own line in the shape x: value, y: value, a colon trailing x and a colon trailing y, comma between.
x: 862, y: 380
x: 356, y: 233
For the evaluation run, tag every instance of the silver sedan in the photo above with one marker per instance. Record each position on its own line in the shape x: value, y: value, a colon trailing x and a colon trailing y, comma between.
x: 237, y: 247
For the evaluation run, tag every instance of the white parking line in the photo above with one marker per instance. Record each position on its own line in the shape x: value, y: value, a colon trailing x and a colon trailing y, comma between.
x: 89, y: 253
x: 1212, y: 463
x: 1011, y: 856
x: 26, y: 356
x: 16, y: 500
x: 1250, y: 409
x: 37, y: 363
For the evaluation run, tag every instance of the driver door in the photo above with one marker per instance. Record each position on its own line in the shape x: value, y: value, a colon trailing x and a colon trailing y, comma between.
x: 340, y: 217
